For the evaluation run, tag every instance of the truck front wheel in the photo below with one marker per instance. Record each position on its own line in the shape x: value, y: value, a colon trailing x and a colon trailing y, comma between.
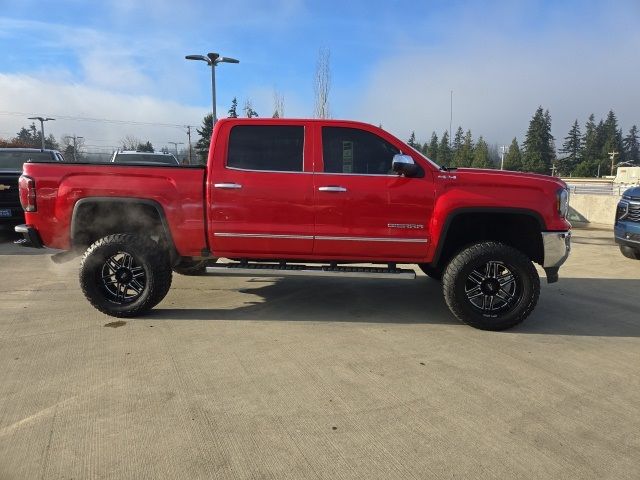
x: 125, y: 275
x: 632, y: 253
x: 491, y: 286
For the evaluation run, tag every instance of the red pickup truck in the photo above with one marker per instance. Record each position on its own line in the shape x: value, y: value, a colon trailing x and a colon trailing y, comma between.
x: 303, y: 197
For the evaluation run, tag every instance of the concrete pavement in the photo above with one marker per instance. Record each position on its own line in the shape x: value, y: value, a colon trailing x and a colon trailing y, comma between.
x: 319, y: 378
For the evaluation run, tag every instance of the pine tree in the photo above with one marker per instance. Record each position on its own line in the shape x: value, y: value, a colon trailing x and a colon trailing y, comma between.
x: 631, y: 146
x: 465, y: 154
x: 412, y: 141
x: 481, y: 155
x: 612, y: 141
x: 539, y: 151
x: 572, y: 149
x: 145, y: 147
x: 233, y: 110
x: 444, y: 150
x: 432, y: 149
x: 589, y: 155
x: 456, y: 150
x: 513, y: 158
x: 205, y: 132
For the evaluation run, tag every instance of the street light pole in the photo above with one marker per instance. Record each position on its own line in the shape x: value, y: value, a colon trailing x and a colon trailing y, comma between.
x: 213, y: 59
x: 42, y: 120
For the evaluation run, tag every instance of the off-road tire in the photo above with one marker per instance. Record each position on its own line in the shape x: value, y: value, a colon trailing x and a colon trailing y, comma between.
x: 149, y: 257
x: 430, y: 271
x: 632, y: 253
x: 460, y: 274
x: 186, y: 266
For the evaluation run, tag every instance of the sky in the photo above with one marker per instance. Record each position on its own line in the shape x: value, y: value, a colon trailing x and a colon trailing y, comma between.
x: 393, y: 63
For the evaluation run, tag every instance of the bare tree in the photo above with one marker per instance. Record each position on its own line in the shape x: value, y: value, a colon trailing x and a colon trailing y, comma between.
x: 322, y: 84
x: 129, y: 142
x: 278, y: 105
x: 249, y: 112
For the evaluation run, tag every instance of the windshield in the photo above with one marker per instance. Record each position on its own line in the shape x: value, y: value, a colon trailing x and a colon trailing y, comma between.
x: 146, y: 158
x: 12, y: 160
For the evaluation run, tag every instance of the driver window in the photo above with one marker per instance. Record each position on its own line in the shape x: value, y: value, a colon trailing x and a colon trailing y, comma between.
x: 350, y: 150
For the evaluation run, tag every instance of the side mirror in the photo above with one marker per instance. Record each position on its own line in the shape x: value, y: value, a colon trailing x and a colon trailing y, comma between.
x: 404, y: 165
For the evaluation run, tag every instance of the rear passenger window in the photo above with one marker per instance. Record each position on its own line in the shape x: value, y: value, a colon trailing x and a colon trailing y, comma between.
x: 350, y: 150
x: 266, y: 147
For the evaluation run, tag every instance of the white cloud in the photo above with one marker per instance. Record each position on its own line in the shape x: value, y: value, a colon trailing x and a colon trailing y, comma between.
x: 499, y: 79
x: 33, y: 96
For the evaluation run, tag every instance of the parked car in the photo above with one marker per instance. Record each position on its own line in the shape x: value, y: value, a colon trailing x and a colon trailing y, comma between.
x: 627, y: 223
x: 144, y: 158
x: 11, y: 161
x: 304, y: 197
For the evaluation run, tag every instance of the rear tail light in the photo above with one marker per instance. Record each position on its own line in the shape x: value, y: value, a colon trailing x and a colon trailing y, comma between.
x: 27, y: 188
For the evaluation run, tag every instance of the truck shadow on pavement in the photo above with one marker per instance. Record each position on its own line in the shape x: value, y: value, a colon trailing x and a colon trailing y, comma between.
x: 574, y: 306
x: 7, y: 247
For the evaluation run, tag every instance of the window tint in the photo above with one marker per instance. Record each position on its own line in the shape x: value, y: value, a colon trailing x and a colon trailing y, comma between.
x: 349, y: 150
x: 13, y: 160
x: 266, y: 147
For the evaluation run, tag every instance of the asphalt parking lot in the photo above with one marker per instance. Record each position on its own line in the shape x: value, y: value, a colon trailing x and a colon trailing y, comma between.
x: 319, y: 378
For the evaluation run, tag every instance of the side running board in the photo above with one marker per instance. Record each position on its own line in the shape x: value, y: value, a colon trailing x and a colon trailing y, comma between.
x: 256, y: 269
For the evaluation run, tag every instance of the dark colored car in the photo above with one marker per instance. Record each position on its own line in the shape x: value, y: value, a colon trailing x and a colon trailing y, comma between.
x: 627, y: 225
x: 11, y: 161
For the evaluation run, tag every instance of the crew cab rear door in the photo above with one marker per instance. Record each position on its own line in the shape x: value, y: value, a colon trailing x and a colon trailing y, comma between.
x: 261, y: 191
x: 363, y: 209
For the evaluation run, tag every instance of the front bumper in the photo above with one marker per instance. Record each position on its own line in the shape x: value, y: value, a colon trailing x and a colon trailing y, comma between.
x: 557, y: 246
x: 627, y: 233
x: 30, y: 237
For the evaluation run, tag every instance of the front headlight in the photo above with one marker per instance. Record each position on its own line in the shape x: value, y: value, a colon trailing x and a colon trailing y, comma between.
x: 563, y: 202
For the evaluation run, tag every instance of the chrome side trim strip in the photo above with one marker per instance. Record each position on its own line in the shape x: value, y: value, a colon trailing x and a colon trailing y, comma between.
x: 260, y: 235
x: 375, y: 239
x: 267, y: 171
x: 311, y: 237
x: 308, y: 271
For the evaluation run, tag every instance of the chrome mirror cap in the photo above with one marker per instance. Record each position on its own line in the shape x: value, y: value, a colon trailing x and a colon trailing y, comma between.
x: 404, y: 165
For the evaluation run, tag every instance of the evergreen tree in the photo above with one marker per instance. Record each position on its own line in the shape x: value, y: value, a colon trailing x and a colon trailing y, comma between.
x: 465, y: 154
x: 590, y: 153
x: 412, y: 141
x: 611, y: 142
x: 145, y: 147
x: 444, y: 151
x: 572, y: 149
x: 233, y: 110
x: 205, y: 132
x: 631, y: 146
x: 456, y: 150
x: 539, y: 151
x: 481, y: 155
x: 432, y: 149
x: 513, y: 158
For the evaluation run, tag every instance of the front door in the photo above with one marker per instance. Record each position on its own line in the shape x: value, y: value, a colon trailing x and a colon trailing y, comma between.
x: 363, y: 209
x: 261, y: 193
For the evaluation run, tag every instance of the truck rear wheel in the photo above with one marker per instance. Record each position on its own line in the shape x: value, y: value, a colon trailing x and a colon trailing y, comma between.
x: 125, y: 275
x: 491, y: 286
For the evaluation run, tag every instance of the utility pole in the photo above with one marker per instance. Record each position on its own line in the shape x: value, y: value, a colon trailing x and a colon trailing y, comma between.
x: 504, y: 149
x: 42, y: 120
x: 175, y: 144
x: 612, y: 155
x: 75, y: 145
x: 189, y: 136
x: 450, y: 116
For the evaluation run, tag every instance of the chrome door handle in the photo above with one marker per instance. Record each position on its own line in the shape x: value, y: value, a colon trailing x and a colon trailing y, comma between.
x: 229, y: 186
x: 332, y: 188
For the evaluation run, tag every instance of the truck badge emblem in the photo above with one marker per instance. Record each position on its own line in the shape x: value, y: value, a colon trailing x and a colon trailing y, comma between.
x: 4, y: 187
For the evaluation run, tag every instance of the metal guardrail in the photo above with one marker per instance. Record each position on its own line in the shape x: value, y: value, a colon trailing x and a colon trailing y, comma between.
x: 597, y: 188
